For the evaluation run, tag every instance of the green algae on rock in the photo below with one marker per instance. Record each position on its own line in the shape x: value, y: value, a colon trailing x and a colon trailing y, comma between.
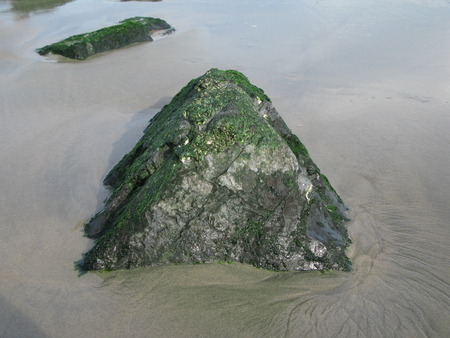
x: 218, y: 176
x: 127, y: 32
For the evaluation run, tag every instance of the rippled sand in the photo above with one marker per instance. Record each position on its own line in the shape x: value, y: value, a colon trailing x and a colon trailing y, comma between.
x: 364, y: 84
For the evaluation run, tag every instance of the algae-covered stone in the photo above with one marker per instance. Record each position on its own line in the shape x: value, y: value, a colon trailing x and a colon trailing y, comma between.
x: 127, y: 32
x: 218, y: 176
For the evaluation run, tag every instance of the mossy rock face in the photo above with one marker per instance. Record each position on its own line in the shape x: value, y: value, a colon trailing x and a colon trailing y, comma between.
x: 127, y: 32
x: 218, y: 176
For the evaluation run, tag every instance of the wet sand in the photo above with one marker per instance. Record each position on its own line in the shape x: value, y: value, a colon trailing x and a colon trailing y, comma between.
x: 364, y: 84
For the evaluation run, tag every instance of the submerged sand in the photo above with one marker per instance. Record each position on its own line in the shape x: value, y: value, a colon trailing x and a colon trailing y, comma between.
x: 364, y: 84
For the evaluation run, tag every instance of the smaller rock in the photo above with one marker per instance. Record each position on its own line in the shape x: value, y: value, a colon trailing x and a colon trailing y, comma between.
x: 127, y: 32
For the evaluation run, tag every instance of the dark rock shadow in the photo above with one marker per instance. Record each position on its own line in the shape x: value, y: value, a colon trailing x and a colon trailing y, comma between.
x: 133, y: 133
x: 15, y: 324
x: 162, y: 102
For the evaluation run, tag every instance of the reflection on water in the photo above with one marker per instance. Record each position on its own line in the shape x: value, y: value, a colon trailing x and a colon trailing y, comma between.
x: 25, y: 7
x: 363, y: 83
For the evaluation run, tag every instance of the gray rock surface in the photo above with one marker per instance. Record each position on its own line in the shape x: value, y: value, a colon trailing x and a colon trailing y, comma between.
x: 218, y: 176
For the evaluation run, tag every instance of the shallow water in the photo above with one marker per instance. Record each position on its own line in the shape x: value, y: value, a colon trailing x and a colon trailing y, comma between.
x: 364, y: 84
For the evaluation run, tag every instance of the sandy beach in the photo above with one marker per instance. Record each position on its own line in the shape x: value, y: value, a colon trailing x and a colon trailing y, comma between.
x: 364, y: 84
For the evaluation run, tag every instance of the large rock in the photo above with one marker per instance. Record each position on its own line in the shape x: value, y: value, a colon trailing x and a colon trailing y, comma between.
x: 127, y: 32
x: 219, y: 176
